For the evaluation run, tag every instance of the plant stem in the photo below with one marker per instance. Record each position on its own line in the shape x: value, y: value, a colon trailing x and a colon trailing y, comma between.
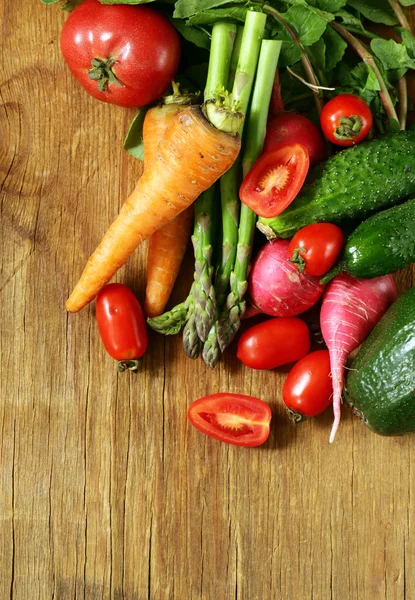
x: 235, y: 56
x: 242, y: 72
x: 403, y: 101
x: 368, y: 58
x: 223, y: 37
x: 203, y: 290
x: 204, y: 306
x: 308, y: 68
x: 400, y: 15
x: 402, y: 83
x: 229, y: 322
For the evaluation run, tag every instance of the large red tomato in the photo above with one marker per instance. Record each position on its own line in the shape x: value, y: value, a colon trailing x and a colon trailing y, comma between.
x: 124, y: 55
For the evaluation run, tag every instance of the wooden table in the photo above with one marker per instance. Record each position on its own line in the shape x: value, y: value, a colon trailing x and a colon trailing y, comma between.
x: 105, y: 489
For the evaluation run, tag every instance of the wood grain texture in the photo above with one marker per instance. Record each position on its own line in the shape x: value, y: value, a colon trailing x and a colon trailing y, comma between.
x: 106, y: 492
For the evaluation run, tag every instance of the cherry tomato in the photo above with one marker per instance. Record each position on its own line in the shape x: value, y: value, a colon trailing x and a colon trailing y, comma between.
x: 121, y: 324
x: 291, y: 128
x: 315, y: 248
x: 124, y: 55
x: 275, y: 180
x: 232, y: 418
x: 308, y: 389
x: 346, y: 120
x: 273, y: 343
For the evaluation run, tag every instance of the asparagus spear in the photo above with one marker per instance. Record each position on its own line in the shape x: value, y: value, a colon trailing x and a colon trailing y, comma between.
x: 242, y: 74
x: 229, y: 186
x: 229, y: 322
x: 204, y: 307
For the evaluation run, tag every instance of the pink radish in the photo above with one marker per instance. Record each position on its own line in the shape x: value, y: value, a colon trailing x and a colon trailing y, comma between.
x: 276, y: 288
x: 349, y: 311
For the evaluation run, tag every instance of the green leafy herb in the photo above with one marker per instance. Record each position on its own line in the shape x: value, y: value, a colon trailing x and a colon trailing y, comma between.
x: 209, y: 17
x: 378, y: 11
x: 391, y: 54
x: 335, y: 48
x: 188, y: 8
x: 308, y: 23
x: 195, y: 35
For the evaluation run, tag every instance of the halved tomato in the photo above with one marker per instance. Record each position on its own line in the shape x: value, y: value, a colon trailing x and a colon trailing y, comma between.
x: 275, y: 180
x: 232, y: 418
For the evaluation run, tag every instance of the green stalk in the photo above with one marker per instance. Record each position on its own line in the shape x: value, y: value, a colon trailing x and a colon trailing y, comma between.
x: 235, y: 56
x: 229, y: 322
x: 171, y: 322
x: 243, y: 68
x: 223, y: 37
x: 229, y: 193
x: 402, y: 83
x: 203, y: 290
x: 203, y: 316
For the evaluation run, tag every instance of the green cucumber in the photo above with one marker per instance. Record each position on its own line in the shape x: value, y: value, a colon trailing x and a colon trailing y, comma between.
x: 351, y: 185
x: 381, y: 382
x: 380, y: 245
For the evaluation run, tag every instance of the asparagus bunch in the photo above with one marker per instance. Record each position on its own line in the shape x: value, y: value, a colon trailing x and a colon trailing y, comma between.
x: 230, y: 319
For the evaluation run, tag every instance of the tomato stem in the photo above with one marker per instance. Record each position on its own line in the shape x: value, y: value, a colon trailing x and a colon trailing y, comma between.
x: 127, y: 365
x: 294, y: 416
x: 298, y: 260
x: 101, y: 72
x: 349, y: 128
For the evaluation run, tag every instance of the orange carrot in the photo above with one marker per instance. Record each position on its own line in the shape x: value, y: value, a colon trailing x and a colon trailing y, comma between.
x: 189, y: 159
x: 167, y: 246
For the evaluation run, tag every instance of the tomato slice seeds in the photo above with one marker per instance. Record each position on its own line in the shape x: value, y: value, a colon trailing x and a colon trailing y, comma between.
x: 232, y: 418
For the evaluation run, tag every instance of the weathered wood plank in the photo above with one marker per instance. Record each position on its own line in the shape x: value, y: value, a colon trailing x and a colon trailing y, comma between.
x: 106, y: 491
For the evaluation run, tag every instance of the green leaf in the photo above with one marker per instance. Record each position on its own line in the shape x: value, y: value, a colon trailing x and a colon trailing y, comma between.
x: 133, y: 142
x: 317, y: 54
x: 330, y: 5
x: 407, y: 2
x: 49, y: 1
x: 308, y: 23
x: 289, y: 55
x: 353, y: 24
x: 372, y: 82
x: 391, y: 54
x: 378, y: 11
x: 408, y: 40
x: 187, y: 8
x: 208, y: 17
x: 335, y: 47
x: 195, y: 35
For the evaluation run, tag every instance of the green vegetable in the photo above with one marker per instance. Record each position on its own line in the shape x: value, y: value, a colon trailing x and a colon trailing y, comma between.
x: 382, y: 244
x: 230, y: 320
x: 352, y: 184
x: 203, y: 290
x: 381, y: 382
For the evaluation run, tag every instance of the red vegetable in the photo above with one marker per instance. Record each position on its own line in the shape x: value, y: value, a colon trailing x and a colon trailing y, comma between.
x: 346, y: 120
x: 291, y: 128
x: 276, y: 288
x: 350, y: 310
x: 274, y: 343
x: 232, y: 418
x: 275, y: 180
x: 308, y: 391
x: 124, y: 55
x: 121, y: 325
x: 314, y: 249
